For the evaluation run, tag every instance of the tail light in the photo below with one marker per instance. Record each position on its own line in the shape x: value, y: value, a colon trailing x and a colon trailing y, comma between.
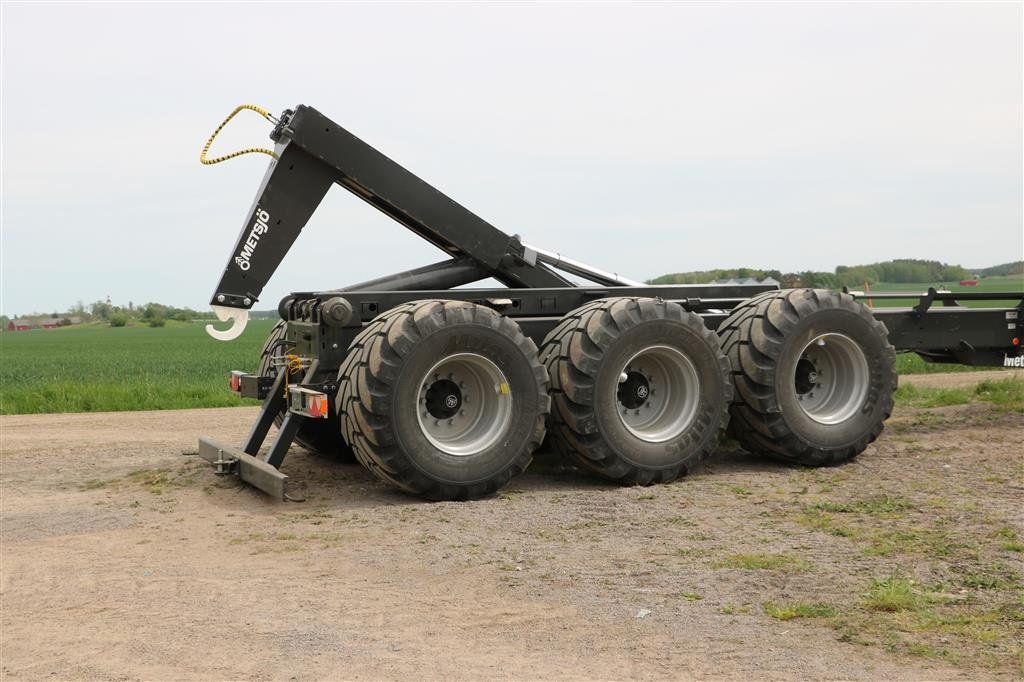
x: 317, y: 405
x: 308, y: 402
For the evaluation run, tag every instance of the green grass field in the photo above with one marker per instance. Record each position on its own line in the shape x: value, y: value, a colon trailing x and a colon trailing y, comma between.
x: 97, y: 368
x: 100, y: 368
x: 1004, y: 283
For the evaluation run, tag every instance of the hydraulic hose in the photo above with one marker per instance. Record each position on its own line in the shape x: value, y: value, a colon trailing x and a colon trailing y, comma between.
x: 252, y: 150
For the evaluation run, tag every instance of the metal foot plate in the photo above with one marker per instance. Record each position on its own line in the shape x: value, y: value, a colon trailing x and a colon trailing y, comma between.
x: 231, y: 460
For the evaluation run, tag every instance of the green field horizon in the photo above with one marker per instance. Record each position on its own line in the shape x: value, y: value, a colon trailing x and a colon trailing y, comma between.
x: 97, y: 368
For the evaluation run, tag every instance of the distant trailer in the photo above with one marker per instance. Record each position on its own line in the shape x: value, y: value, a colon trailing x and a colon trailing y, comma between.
x: 968, y: 282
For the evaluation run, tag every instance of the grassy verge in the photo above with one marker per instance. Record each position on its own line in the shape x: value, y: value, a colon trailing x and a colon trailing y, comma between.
x: 1007, y: 394
x: 911, y: 363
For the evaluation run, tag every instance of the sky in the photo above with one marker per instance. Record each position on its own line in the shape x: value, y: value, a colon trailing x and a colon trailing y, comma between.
x: 641, y: 138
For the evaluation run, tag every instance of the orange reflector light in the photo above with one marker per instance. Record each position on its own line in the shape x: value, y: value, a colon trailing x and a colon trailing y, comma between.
x: 317, y: 405
x: 1016, y: 340
x: 236, y: 381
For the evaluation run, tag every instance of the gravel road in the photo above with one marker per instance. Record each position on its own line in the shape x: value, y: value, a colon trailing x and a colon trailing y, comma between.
x: 124, y: 559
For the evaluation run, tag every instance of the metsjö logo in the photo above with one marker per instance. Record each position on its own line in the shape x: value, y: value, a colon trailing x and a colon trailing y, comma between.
x: 258, y: 229
x: 1013, y: 362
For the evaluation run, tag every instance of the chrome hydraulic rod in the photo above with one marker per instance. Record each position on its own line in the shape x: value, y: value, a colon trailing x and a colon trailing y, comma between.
x: 574, y: 267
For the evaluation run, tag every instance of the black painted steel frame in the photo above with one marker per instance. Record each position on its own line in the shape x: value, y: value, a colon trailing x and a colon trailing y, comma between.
x: 314, y: 153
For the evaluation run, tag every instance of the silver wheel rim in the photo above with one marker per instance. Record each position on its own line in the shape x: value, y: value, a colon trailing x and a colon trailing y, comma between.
x: 831, y: 378
x: 464, y: 405
x: 657, y: 394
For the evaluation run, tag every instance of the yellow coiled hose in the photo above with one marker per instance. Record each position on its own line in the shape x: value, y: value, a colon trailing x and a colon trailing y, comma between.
x: 253, y: 150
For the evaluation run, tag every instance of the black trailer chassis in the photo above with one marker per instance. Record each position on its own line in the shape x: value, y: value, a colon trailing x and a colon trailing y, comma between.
x: 800, y: 375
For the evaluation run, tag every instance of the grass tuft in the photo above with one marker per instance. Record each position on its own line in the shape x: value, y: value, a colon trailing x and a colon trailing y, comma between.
x: 892, y: 594
x: 1008, y: 394
x: 764, y: 562
x: 789, y: 611
x: 885, y: 504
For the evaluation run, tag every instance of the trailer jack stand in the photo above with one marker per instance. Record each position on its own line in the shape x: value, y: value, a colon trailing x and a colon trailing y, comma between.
x: 244, y: 462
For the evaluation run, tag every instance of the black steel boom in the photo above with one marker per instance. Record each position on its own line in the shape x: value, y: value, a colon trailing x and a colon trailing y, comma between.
x: 314, y: 153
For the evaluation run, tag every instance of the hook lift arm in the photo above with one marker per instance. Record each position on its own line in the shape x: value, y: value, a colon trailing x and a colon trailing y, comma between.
x: 312, y: 153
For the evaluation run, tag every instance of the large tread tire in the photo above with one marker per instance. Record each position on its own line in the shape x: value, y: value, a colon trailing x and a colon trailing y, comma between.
x: 764, y: 337
x: 319, y: 436
x: 584, y: 355
x: 377, y: 400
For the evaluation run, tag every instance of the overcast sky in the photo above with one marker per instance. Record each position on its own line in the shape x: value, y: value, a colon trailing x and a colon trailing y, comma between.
x: 640, y: 138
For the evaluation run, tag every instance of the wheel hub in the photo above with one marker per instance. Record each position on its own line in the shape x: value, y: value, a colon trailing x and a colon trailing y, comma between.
x: 464, y: 404
x: 831, y: 378
x: 806, y: 376
x: 443, y: 399
x: 634, y: 391
x: 658, y: 394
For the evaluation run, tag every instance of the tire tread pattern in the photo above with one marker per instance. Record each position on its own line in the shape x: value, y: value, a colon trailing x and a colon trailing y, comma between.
x: 752, y: 337
x: 572, y: 353
x: 367, y: 376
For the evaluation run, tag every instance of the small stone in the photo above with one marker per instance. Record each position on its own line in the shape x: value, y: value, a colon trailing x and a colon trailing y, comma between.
x: 643, y: 613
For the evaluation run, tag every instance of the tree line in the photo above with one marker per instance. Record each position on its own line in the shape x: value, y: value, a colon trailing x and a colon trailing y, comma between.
x: 902, y: 271
x: 152, y: 313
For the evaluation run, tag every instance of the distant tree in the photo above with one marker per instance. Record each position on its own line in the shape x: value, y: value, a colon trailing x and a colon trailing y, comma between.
x: 157, y: 322
x: 4, y: 321
x: 1014, y: 268
x: 118, y: 320
x: 102, y: 309
x: 79, y: 310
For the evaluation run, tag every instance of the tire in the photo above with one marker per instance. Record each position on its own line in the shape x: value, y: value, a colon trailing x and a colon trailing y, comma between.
x: 599, y: 421
x: 444, y: 399
x: 814, y: 375
x: 319, y: 436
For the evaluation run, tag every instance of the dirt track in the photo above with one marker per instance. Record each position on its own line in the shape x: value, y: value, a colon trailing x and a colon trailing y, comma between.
x: 123, y: 559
